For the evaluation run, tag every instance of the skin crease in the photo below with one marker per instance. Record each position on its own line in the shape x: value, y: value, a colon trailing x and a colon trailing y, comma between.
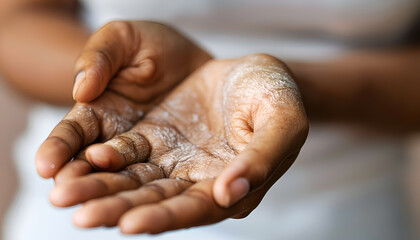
x: 153, y: 59
x: 318, y: 81
x: 117, y: 109
x: 134, y: 90
x: 225, y: 190
x: 191, y: 143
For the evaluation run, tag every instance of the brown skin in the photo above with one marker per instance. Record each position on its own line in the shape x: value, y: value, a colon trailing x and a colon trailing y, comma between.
x: 143, y: 65
x: 215, y: 123
x: 115, y: 111
x: 355, y: 95
x: 367, y: 77
x: 165, y: 194
x: 39, y: 41
x: 14, y: 35
x: 150, y: 59
x: 378, y: 89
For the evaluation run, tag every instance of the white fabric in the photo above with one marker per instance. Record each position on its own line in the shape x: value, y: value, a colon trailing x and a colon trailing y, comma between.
x: 378, y: 20
x: 344, y: 185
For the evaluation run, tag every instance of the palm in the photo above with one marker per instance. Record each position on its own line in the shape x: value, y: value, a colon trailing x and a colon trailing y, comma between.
x: 196, y: 131
x: 187, y: 132
x: 186, y: 140
x: 145, y: 61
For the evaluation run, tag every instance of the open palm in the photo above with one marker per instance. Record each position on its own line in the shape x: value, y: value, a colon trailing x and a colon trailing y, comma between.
x: 126, y: 69
x: 228, y: 112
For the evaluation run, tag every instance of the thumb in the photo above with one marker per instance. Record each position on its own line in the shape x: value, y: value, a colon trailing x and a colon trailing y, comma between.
x: 267, y: 157
x: 104, y: 54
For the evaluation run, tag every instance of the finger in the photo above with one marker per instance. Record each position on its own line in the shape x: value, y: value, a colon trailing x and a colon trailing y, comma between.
x: 76, y: 168
x: 96, y: 185
x: 105, y: 53
x: 107, y: 211
x: 270, y: 152
x: 195, y: 206
x: 79, y: 128
x: 124, y: 150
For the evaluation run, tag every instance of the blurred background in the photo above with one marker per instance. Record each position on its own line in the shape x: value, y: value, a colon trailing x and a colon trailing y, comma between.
x: 349, y: 182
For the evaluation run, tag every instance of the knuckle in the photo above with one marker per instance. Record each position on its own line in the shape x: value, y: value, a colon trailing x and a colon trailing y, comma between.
x: 123, y: 29
x: 74, y: 128
x: 146, y: 172
x: 102, y: 57
x: 132, y: 145
x: 134, y: 138
x: 84, y: 123
x: 57, y: 141
x: 156, y: 189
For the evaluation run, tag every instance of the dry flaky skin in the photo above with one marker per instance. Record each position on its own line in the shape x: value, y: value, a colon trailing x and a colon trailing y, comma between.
x: 194, y: 134
x: 223, y: 110
x: 125, y: 70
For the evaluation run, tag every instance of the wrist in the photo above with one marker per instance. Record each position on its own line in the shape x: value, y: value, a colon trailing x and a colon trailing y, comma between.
x: 313, y: 96
x: 330, y: 90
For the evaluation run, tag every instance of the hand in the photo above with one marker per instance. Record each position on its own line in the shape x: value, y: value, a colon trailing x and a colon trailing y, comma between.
x: 221, y: 138
x: 128, y: 67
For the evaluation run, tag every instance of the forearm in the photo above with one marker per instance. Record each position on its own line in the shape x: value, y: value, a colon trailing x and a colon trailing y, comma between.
x: 38, y: 46
x: 375, y: 88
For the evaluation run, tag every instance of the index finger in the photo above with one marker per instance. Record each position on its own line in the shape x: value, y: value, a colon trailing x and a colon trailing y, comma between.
x: 79, y: 128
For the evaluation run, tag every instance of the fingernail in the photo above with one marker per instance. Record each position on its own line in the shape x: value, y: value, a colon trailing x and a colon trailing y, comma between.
x: 237, y: 190
x: 80, y: 77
